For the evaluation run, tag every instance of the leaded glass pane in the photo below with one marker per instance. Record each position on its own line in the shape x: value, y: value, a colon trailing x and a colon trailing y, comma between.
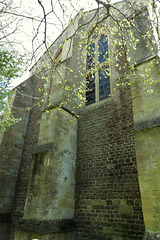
x: 91, y: 56
x: 90, y: 91
x: 97, y: 50
x: 102, y: 49
x: 104, y: 83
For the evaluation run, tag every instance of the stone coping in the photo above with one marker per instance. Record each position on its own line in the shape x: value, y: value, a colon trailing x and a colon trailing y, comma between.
x: 46, y: 226
x: 43, y: 148
x: 147, y: 124
x: 58, y: 104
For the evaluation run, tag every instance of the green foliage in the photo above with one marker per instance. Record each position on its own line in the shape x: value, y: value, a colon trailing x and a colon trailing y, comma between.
x: 6, y: 119
x: 11, y: 66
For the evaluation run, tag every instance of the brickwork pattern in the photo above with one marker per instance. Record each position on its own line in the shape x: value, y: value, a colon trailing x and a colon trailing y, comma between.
x: 108, y: 204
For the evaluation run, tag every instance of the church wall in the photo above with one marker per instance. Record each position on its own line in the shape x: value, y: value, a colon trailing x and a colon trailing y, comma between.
x: 11, y: 152
x: 146, y: 102
x: 51, y: 187
x: 108, y: 202
x: 30, y: 141
x: 50, y: 200
x: 77, y: 176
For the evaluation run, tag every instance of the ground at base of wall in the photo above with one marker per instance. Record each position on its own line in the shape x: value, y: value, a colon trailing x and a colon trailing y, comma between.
x: 147, y: 236
x: 152, y: 236
x: 22, y: 235
x: 4, y: 230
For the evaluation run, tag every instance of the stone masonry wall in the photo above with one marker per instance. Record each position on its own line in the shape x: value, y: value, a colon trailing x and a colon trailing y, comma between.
x: 108, y: 204
x: 146, y: 102
x: 52, y: 184
x: 107, y: 199
x: 11, y: 152
x: 31, y: 139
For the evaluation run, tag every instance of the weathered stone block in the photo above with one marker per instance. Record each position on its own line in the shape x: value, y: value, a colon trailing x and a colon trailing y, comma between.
x: 108, y: 230
x: 125, y: 210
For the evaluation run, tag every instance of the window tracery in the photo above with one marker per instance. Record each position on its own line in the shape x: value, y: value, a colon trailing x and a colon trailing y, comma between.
x: 98, y: 79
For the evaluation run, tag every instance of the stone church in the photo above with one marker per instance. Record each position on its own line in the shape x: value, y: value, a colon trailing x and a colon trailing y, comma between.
x: 84, y: 162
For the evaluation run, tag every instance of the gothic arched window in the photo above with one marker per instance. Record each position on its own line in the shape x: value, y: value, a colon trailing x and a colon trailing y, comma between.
x: 98, y: 80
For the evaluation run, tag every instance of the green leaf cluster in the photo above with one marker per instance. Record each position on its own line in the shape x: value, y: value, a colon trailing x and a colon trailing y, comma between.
x: 11, y: 65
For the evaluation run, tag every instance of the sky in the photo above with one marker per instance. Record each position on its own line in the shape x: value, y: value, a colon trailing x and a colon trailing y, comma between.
x: 56, y: 23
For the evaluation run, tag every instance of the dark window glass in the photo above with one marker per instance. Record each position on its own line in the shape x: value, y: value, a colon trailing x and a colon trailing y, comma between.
x: 104, y: 93
x: 91, y: 56
x: 101, y: 46
x: 90, y: 91
x: 102, y: 49
x: 104, y: 83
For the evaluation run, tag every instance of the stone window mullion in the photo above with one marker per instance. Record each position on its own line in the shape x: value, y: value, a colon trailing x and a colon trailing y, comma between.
x: 98, y: 80
x: 96, y: 71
